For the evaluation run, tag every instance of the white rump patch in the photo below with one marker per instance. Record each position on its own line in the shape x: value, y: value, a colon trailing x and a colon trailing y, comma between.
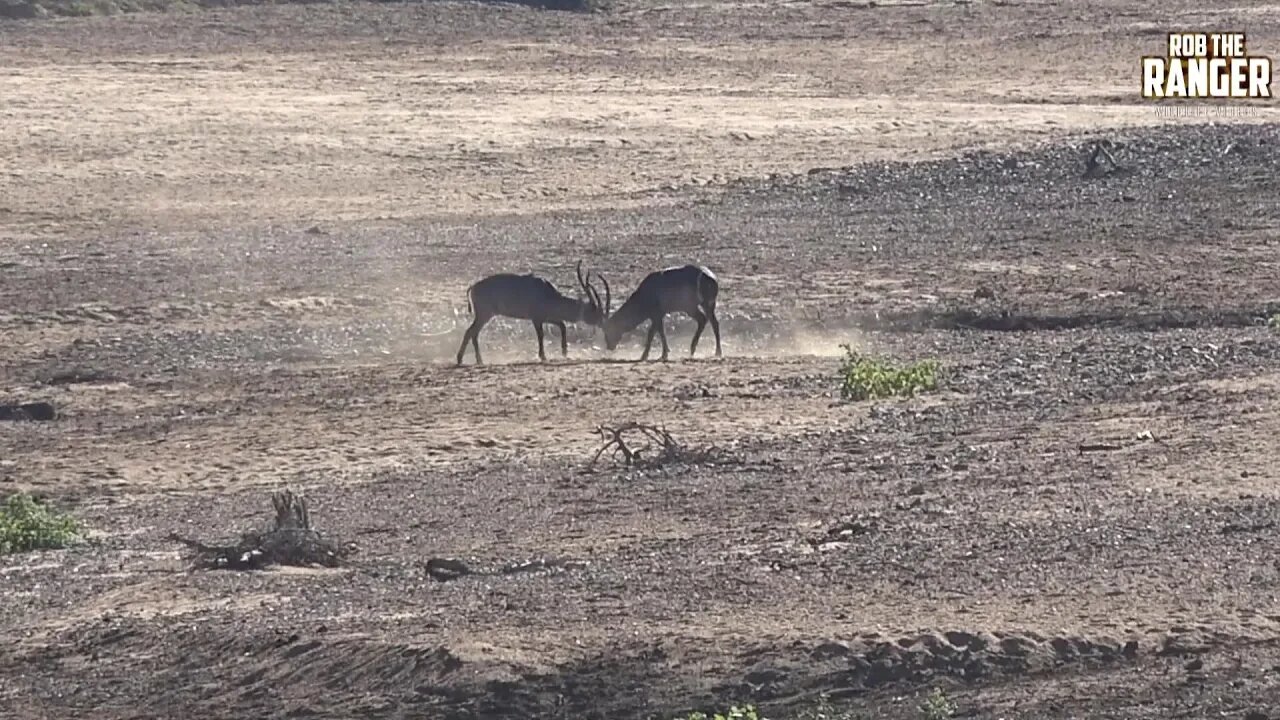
x: 700, y: 267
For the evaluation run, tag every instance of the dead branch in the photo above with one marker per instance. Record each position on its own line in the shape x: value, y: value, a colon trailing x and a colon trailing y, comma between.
x: 615, y: 439
x: 1095, y: 169
x: 290, y: 541
x: 447, y: 569
x: 646, y: 446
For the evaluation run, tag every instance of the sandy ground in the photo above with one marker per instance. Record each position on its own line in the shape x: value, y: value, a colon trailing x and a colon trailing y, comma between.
x: 360, y: 113
x: 234, y: 247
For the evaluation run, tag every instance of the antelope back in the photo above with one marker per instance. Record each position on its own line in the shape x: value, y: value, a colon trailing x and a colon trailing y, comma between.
x: 515, y: 296
x: 680, y: 288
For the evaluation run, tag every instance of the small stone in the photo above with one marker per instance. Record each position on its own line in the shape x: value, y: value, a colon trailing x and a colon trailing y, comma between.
x: 830, y: 650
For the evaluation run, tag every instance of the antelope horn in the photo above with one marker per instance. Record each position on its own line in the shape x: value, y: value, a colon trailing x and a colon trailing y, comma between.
x: 608, y: 297
x: 582, y: 283
x: 592, y: 295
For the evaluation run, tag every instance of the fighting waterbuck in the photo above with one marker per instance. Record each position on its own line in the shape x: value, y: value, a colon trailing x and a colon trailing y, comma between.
x: 529, y: 297
x: 688, y: 289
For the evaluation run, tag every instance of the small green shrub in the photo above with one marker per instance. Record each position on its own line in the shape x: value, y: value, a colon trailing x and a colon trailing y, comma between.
x: 864, y: 378
x: 1273, y: 322
x: 28, y: 525
x: 937, y: 706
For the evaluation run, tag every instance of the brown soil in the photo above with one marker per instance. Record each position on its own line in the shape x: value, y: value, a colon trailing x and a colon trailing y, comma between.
x: 234, y: 246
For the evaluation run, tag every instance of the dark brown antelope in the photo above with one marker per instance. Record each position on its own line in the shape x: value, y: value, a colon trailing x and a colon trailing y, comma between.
x: 529, y: 297
x: 688, y: 289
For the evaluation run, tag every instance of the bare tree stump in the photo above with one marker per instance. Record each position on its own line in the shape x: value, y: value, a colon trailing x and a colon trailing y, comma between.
x: 290, y: 541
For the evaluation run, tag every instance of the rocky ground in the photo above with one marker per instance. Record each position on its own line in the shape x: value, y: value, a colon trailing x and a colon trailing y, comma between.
x: 233, y: 252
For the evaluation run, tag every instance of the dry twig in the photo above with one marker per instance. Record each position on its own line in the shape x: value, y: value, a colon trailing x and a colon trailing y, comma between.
x: 615, y: 439
x: 1095, y: 169
x: 646, y: 446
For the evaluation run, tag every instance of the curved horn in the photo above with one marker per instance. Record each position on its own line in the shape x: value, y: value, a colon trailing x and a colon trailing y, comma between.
x: 608, y: 297
x: 593, y: 296
x: 585, y: 284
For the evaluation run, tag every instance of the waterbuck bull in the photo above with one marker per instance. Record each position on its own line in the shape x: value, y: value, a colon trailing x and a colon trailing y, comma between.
x: 529, y: 297
x: 688, y: 289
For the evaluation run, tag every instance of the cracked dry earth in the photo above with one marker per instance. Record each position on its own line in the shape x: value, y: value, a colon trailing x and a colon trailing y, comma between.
x: 1080, y: 522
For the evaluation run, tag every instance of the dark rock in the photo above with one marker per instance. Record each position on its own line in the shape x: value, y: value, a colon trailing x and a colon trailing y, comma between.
x: 39, y: 411
x: 445, y: 569
x: 829, y: 650
x: 764, y: 677
x: 1016, y: 646
x: 965, y: 640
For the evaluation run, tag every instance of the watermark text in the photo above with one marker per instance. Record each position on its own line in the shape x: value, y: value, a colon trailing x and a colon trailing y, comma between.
x: 1206, y: 65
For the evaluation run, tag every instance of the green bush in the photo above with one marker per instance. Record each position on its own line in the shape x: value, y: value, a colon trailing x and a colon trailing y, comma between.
x: 28, y: 525
x: 864, y: 378
x: 937, y: 706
